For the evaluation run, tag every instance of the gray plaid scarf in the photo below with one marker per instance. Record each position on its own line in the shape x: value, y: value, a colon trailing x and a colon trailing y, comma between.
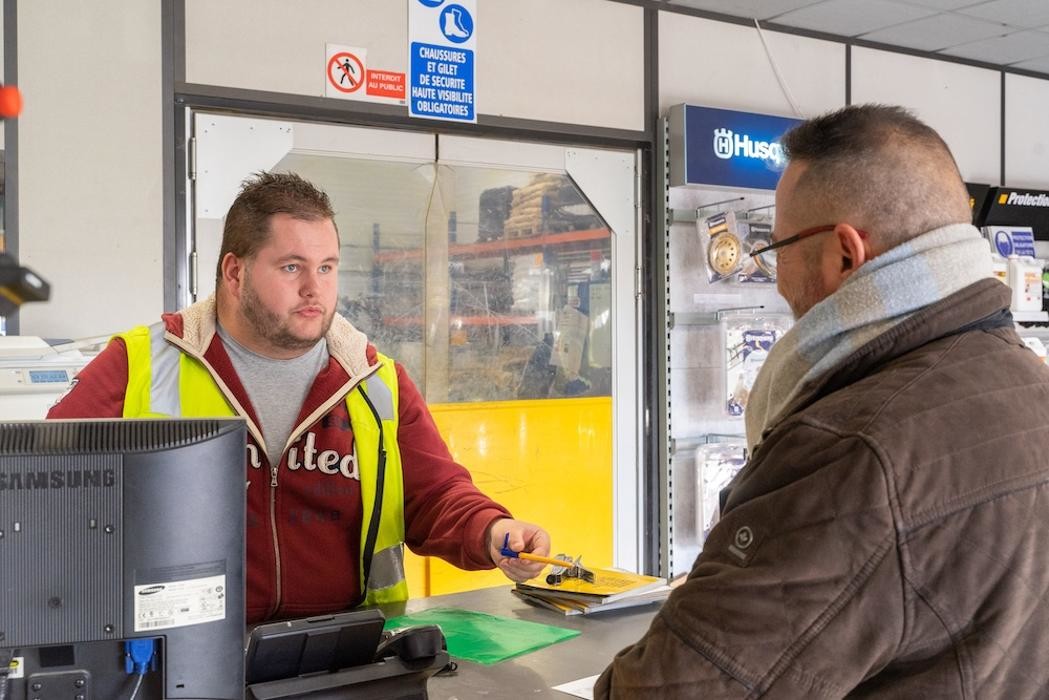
x: 880, y: 294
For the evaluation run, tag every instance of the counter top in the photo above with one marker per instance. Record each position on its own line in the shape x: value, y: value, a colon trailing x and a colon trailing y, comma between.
x: 534, y: 674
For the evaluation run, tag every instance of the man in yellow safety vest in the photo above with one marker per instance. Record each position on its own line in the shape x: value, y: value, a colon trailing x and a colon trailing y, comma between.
x: 344, y: 461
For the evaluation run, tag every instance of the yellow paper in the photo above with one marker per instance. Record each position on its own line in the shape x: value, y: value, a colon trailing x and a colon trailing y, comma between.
x: 608, y: 585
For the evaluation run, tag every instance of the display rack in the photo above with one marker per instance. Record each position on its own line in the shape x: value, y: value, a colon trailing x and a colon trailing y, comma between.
x: 699, y: 313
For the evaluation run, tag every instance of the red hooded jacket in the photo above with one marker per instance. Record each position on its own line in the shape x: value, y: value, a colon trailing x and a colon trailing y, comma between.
x: 305, y: 559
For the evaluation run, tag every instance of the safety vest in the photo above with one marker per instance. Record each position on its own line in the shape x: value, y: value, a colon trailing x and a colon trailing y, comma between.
x: 166, y: 381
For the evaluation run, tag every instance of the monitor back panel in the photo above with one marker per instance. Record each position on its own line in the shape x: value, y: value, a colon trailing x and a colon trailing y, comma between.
x: 61, y: 549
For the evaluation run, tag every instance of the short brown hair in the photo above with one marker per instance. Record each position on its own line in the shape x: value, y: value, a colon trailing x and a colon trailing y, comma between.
x: 881, y: 166
x: 261, y: 196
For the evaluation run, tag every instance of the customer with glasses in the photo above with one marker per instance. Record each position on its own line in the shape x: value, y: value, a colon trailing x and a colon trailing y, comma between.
x: 889, y: 536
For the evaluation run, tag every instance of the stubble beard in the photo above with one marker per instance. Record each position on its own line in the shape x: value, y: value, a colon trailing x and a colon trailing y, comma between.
x: 273, y: 328
x: 808, y: 289
x: 809, y: 293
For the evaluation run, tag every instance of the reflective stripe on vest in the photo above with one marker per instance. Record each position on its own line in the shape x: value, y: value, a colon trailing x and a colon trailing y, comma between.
x: 385, y: 580
x: 164, y: 381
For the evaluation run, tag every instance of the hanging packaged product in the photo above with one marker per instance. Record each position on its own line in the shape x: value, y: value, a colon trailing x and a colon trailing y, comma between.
x: 1025, y: 279
x: 717, y: 464
x: 748, y: 340
x: 762, y: 268
x: 723, y: 247
x: 1000, y: 268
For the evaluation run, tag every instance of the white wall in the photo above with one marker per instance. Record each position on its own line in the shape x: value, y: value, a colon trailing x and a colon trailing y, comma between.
x: 90, y: 136
x: 278, y: 46
x: 579, y: 62
x: 1027, y: 139
x: 725, y: 65
x: 715, y: 64
x: 962, y: 103
x: 90, y: 164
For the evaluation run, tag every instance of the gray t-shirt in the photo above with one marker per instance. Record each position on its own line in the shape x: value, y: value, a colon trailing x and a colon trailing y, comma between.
x: 276, y: 388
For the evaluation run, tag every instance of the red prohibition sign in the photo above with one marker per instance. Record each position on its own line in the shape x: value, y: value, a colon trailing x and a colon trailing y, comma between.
x: 346, y: 72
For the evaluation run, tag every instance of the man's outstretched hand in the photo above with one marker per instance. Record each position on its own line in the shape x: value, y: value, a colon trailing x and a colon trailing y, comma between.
x: 524, y: 537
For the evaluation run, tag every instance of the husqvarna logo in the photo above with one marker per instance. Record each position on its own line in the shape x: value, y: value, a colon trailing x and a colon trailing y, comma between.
x: 728, y: 144
x: 723, y: 143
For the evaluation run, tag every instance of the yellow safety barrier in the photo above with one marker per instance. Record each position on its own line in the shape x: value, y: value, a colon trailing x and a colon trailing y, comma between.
x: 548, y: 461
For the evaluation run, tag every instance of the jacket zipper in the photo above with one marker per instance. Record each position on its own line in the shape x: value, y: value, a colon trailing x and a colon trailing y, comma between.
x: 273, y: 534
x: 274, y: 469
x: 257, y: 434
x: 340, y: 395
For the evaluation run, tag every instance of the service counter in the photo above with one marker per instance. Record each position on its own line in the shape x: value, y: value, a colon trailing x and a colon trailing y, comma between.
x: 533, y: 675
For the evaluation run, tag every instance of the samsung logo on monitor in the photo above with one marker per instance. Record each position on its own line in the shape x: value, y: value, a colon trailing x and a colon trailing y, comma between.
x: 57, y: 479
x: 729, y: 144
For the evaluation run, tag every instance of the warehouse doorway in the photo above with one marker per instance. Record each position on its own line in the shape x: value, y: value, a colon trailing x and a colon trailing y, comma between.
x: 501, y: 275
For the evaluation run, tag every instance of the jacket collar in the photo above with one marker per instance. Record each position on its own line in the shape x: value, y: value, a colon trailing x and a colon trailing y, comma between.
x: 196, y: 325
x: 987, y: 300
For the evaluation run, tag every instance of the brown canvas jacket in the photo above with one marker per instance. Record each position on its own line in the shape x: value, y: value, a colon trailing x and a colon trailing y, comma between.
x: 889, y: 539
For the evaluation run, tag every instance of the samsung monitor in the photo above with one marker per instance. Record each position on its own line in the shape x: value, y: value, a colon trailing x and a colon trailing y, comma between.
x: 122, y: 558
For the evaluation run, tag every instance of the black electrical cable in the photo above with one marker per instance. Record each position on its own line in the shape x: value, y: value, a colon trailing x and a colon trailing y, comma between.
x: 6, y: 655
x: 380, y: 482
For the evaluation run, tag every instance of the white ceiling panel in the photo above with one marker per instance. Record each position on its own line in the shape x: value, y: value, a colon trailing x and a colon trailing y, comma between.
x: 1018, y: 13
x: 853, y: 17
x: 1005, y: 50
x: 1037, y: 64
x: 997, y: 32
x: 761, y: 9
x: 961, y: 102
x: 937, y: 32
x: 945, y: 4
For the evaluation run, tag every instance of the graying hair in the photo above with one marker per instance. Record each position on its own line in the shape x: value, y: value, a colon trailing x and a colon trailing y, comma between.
x: 879, y: 168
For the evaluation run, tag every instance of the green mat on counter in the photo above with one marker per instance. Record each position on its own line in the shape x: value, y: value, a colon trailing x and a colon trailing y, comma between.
x: 482, y: 638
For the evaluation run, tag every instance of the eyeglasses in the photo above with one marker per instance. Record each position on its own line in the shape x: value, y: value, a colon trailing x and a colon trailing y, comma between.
x: 769, y: 250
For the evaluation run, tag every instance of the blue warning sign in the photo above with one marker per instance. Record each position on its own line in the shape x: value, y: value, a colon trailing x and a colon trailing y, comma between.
x: 442, y: 82
x: 442, y: 44
x: 456, y: 24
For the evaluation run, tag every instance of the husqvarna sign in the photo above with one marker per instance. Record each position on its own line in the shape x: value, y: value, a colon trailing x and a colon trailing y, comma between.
x: 723, y: 147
